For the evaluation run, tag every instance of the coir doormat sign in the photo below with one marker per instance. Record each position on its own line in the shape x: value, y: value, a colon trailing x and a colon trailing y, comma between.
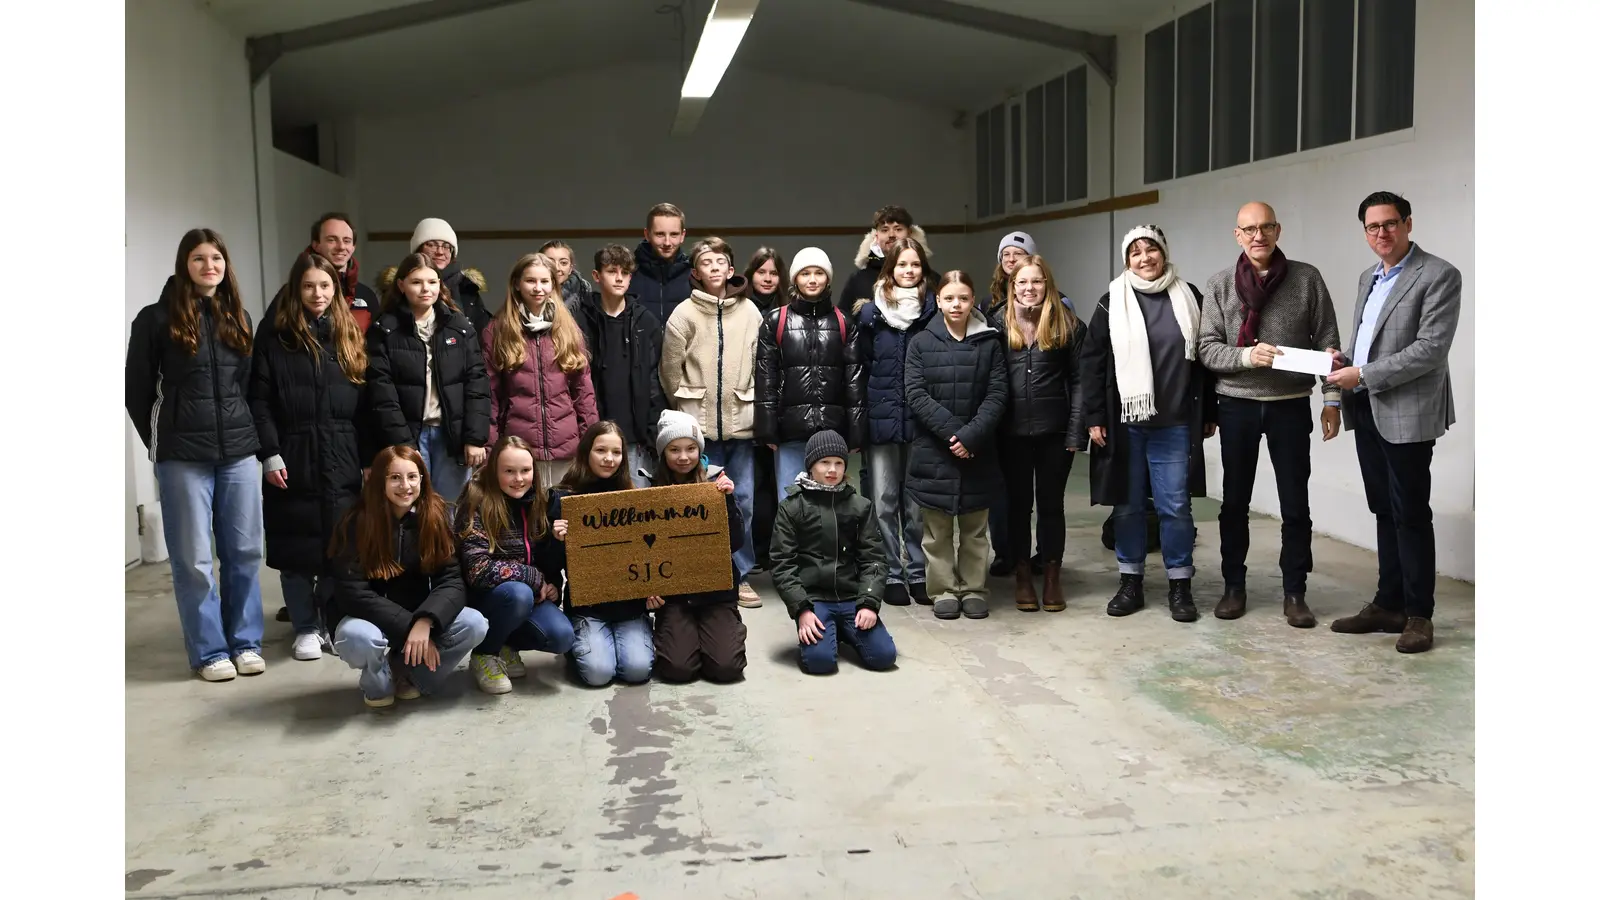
x: 661, y: 541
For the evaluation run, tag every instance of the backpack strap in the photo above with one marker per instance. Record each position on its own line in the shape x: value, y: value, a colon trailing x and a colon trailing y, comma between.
x: 839, y: 317
x: 783, y: 317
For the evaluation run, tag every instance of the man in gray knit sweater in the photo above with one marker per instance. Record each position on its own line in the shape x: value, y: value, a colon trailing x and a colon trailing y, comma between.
x: 1262, y: 302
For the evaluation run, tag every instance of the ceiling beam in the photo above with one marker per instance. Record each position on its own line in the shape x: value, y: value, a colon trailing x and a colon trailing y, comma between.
x: 267, y: 49
x: 1099, y: 49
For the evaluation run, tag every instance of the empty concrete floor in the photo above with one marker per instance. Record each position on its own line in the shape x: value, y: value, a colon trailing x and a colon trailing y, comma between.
x: 1028, y: 755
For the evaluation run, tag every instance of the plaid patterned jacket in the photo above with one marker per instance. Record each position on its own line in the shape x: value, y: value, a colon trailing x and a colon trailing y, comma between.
x: 1408, y: 368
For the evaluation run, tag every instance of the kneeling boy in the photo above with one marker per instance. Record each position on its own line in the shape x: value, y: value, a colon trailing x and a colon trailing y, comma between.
x: 828, y: 563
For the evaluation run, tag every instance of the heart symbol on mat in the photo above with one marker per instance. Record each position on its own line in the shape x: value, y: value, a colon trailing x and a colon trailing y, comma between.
x: 649, y: 540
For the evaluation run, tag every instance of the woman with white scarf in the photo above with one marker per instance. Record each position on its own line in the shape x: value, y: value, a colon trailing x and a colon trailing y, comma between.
x: 1149, y: 404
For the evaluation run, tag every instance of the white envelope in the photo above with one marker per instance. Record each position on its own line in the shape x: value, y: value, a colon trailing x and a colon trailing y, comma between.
x: 1308, y: 362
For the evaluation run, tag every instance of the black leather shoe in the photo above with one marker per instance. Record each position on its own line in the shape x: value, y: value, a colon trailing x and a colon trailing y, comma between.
x: 919, y: 593
x: 896, y: 595
x: 1180, y: 601
x: 1129, y: 598
x: 1231, y: 606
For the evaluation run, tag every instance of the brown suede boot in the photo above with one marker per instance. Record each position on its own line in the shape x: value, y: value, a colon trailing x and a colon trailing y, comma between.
x: 1296, y: 611
x: 1053, y: 601
x: 1372, y: 618
x: 1027, y: 600
x: 1418, y: 636
x: 1231, y: 606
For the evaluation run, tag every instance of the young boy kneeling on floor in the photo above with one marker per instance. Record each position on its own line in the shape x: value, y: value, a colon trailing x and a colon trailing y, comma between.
x: 828, y: 563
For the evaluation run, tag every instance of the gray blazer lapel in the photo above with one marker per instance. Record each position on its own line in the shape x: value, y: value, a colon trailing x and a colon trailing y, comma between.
x: 1363, y: 291
x: 1407, y: 281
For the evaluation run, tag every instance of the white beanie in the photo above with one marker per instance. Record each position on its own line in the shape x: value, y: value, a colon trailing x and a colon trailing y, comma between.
x: 1145, y: 232
x: 433, y: 230
x: 811, y: 256
x: 1016, y: 239
x: 674, y: 425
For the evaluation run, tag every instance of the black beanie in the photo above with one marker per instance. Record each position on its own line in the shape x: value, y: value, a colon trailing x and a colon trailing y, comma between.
x: 824, y: 444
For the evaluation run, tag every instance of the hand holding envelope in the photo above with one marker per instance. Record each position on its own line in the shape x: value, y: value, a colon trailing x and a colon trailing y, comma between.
x: 1307, y: 362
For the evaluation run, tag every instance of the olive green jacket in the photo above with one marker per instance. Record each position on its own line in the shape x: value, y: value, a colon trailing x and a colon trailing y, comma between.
x: 826, y: 548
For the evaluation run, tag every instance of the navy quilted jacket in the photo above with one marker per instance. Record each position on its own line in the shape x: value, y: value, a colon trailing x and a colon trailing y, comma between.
x: 889, y: 418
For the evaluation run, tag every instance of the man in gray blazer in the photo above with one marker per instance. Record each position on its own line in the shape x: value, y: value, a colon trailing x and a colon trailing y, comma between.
x: 1397, y: 401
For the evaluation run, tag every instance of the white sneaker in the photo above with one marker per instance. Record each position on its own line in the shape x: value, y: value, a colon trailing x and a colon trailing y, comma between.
x: 748, y: 598
x: 249, y: 663
x: 307, y: 646
x: 378, y: 702
x: 218, y: 670
x: 489, y: 673
x: 512, y: 661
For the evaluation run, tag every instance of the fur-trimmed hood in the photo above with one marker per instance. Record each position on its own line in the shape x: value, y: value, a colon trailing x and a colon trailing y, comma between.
x: 386, y: 278
x: 864, y: 252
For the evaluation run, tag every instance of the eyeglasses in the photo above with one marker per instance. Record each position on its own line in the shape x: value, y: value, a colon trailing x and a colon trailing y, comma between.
x: 435, y: 246
x: 1390, y: 225
x: 1250, y: 231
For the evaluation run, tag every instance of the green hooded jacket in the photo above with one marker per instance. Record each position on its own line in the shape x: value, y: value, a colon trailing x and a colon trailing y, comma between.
x: 826, y: 548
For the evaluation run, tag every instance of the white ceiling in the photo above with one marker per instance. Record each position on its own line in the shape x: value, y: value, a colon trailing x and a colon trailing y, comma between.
x: 828, y: 41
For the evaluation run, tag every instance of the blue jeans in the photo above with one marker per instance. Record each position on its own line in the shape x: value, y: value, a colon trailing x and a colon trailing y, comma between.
x: 899, y: 519
x: 605, y: 650
x: 1158, y: 461
x: 305, y: 595
x: 519, y: 621
x: 874, y: 646
x: 788, y: 462
x: 739, y: 458
x: 201, y: 501
x: 363, y: 645
x: 445, y: 468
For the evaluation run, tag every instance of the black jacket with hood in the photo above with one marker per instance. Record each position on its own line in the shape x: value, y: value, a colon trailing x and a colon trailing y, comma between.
x: 189, y: 407
x: 397, y: 373
x: 644, y: 333
x: 395, y: 604
x: 955, y: 389
x: 814, y: 380
x: 660, y: 284
x: 869, y: 265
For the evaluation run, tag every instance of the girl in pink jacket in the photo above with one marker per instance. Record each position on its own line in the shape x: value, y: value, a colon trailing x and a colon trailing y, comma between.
x: 539, y: 387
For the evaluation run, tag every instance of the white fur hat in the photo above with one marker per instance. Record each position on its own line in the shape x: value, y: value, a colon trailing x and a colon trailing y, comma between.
x: 1145, y: 232
x: 811, y: 256
x: 433, y: 230
x: 674, y: 425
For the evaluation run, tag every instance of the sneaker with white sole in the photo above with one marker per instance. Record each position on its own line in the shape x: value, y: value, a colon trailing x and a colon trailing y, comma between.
x: 218, y: 670
x: 378, y: 702
x: 512, y: 661
x: 748, y: 598
x: 489, y: 674
x: 403, y: 688
x: 308, y: 646
x: 249, y: 662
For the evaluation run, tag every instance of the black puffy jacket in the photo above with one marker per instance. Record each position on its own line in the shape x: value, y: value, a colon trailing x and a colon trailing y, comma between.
x: 193, y: 408
x: 395, y: 604
x: 310, y: 415
x: 468, y: 294
x: 397, y: 370
x: 1044, y: 388
x: 955, y: 389
x: 644, y: 363
x: 813, y: 380
x: 889, y: 419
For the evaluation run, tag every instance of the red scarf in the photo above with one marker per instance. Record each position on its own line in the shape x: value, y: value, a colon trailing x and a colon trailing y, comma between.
x: 1255, y: 290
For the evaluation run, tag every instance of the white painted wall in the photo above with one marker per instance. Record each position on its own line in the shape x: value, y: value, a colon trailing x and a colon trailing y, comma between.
x: 190, y: 163
x: 592, y: 150
x: 1316, y: 195
x: 303, y: 192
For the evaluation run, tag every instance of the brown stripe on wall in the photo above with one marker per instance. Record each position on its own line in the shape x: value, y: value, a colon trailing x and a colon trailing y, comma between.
x: 1110, y: 204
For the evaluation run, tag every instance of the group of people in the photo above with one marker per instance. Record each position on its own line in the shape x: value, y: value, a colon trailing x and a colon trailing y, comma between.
x: 416, y: 447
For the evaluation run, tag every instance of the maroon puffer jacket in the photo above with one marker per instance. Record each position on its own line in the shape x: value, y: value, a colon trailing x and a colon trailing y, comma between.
x: 548, y: 408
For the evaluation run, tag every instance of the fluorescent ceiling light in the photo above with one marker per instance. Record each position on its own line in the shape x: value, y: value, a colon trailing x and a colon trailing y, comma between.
x: 725, y: 27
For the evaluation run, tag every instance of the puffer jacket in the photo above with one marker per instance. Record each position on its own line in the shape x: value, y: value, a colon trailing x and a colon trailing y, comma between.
x: 466, y: 289
x: 1044, y: 387
x: 314, y: 424
x: 955, y: 389
x: 395, y: 604
x: 814, y: 380
x: 660, y: 284
x: 889, y: 419
x: 553, y: 556
x: 397, y: 373
x: 548, y: 408
x: 515, y: 555
x: 193, y: 408
x: 862, y: 282
x: 644, y: 359
x: 826, y: 547
x: 708, y: 362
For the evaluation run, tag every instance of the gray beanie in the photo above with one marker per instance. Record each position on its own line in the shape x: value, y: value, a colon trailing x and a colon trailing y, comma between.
x: 1016, y: 239
x: 824, y: 444
x: 674, y: 425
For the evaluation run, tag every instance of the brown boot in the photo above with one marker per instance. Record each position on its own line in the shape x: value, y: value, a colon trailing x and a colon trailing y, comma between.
x: 1027, y: 600
x: 1296, y: 611
x: 1372, y: 618
x: 1053, y: 601
x: 1231, y: 606
x: 1418, y: 636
